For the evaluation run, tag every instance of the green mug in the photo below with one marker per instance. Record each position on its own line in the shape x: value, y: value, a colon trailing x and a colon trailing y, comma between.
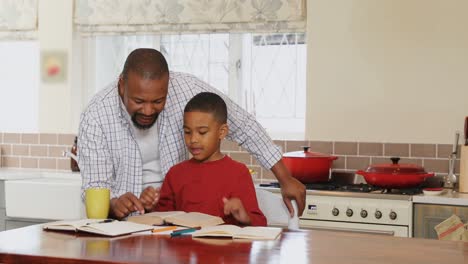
x: 97, y: 202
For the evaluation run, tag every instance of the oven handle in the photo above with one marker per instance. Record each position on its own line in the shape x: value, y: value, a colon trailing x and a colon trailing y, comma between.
x: 354, y: 230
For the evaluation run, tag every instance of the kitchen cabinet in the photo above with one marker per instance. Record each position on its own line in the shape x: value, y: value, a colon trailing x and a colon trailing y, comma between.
x: 7, y: 223
x: 430, y: 211
x: 2, y: 206
x: 427, y: 216
x: 29, y: 197
x: 12, y: 223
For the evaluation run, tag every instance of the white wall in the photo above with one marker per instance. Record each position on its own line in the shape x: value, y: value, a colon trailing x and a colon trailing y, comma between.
x: 19, y: 75
x: 387, y: 71
x: 56, y: 34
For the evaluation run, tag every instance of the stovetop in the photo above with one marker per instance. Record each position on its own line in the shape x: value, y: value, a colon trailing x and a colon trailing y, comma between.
x: 355, y: 188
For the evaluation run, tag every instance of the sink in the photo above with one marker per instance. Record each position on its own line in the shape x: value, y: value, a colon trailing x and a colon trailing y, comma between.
x: 53, y: 196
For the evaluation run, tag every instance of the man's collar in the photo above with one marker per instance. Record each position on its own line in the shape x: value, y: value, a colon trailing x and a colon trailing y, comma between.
x: 123, y: 113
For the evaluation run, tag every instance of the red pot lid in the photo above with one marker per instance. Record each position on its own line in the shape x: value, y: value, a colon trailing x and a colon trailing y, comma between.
x: 306, y: 154
x: 395, y: 168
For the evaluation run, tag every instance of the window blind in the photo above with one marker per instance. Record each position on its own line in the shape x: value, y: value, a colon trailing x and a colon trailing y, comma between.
x: 93, y: 17
x: 18, y: 19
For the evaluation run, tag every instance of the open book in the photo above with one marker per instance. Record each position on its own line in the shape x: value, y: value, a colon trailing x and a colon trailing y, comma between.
x: 98, y: 226
x: 192, y: 219
x: 248, y: 232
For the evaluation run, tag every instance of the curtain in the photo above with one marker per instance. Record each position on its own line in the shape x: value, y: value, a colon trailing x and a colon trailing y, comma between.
x: 18, y: 19
x: 188, y: 16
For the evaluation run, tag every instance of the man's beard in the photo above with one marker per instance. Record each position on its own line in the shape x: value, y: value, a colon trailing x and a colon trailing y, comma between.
x: 146, y: 126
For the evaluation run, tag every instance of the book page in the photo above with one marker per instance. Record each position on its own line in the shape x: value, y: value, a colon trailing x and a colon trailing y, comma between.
x: 69, y: 225
x: 217, y: 231
x: 258, y: 232
x: 194, y: 219
x: 115, y: 228
x: 153, y: 218
x: 163, y: 215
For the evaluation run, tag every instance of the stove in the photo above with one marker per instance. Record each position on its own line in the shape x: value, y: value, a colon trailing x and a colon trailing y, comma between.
x: 359, y: 188
x: 356, y: 208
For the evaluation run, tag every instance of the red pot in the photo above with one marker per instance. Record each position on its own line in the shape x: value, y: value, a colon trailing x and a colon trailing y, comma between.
x: 309, y: 167
x: 394, y: 175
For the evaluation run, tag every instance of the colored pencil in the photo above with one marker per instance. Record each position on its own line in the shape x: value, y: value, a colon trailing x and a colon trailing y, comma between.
x: 157, y: 230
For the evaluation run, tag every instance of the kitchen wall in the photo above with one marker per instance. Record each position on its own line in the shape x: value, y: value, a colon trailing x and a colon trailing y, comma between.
x: 33, y: 151
x: 378, y: 71
x: 386, y: 71
x: 45, y: 150
x: 381, y: 74
x: 57, y: 100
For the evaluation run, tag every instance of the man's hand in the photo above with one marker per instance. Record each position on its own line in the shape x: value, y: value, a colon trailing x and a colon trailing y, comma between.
x: 291, y: 188
x: 149, y: 197
x: 125, y: 205
x: 235, y: 208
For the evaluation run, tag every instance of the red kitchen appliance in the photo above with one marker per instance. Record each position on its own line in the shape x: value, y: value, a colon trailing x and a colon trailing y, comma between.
x: 394, y: 175
x: 307, y: 166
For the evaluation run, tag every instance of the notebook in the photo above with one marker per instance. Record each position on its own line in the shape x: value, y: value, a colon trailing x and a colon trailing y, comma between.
x: 236, y: 232
x: 192, y: 219
x: 98, y: 226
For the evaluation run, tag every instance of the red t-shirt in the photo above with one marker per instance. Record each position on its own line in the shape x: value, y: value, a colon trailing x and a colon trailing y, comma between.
x: 192, y: 186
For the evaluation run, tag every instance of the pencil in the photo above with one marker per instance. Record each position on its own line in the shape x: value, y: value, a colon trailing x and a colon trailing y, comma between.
x: 156, y: 230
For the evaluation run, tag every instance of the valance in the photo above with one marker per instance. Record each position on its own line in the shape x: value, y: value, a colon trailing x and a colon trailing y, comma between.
x: 18, y: 19
x: 189, y: 16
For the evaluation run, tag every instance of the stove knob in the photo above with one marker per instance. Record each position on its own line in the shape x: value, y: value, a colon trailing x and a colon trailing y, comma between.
x: 349, y: 212
x: 335, y: 211
x: 378, y: 214
x: 363, y: 213
x: 393, y: 215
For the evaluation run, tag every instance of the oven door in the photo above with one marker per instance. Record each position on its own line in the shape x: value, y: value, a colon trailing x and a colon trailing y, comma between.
x: 399, y: 231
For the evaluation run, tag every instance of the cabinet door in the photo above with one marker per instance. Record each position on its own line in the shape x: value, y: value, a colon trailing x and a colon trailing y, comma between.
x: 427, y: 216
x: 2, y: 194
x: 2, y: 219
x: 13, y: 223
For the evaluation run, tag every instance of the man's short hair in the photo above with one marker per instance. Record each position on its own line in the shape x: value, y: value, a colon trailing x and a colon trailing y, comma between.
x: 208, y: 103
x: 147, y: 63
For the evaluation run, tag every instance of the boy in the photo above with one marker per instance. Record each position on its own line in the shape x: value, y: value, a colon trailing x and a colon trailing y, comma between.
x: 209, y: 182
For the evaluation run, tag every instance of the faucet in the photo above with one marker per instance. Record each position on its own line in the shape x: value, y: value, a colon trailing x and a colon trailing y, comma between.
x: 68, y: 154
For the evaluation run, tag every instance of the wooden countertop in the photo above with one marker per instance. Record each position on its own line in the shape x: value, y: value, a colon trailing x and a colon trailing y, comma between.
x: 33, y: 245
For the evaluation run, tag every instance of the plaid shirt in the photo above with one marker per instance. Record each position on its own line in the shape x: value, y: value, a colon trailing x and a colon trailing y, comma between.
x: 109, y: 155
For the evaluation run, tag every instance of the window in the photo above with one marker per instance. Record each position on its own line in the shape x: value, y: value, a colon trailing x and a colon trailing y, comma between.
x: 19, y: 93
x: 264, y: 73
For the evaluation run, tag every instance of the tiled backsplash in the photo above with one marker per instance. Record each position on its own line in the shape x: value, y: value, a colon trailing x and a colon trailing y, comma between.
x: 45, y: 151
x: 42, y: 151
x: 354, y: 156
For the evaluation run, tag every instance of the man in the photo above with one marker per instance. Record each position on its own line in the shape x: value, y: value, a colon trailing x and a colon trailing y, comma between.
x: 131, y: 134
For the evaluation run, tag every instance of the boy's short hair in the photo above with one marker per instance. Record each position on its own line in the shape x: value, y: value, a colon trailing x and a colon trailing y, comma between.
x: 208, y: 103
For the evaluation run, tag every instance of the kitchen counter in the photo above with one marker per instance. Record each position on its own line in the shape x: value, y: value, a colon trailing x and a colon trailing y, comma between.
x: 448, y: 197
x: 33, y: 245
x: 17, y: 174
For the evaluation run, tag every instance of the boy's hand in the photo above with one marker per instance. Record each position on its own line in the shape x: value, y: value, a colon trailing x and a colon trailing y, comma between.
x: 235, y: 208
x: 124, y: 205
x: 149, y: 197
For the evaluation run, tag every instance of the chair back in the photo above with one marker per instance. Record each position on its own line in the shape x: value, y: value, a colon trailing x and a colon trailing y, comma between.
x: 275, y: 211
